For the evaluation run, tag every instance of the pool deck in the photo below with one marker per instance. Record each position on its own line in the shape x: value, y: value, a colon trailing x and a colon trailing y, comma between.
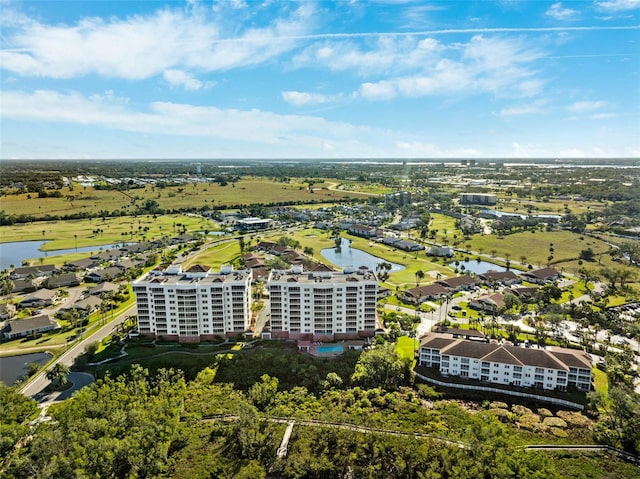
x: 314, y: 347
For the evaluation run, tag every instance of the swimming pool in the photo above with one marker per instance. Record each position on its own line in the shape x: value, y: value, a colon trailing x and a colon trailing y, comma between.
x: 330, y: 349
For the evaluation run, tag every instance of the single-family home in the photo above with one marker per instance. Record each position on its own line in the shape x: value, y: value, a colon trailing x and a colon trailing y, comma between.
x: 420, y: 294
x: 20, y: 328
x: 23, y: 286
x: 42, y: 297
x: 491, y: 303
x: 443, y: 251
x: 459, y: 283
x: 541, y: 276
x: 104, y: 288
x: 105, y: 274
x: 80, y: 264
x: 64, y: 279
x: 33, y: 271
x: 88, y: 304
x: 504, y: 278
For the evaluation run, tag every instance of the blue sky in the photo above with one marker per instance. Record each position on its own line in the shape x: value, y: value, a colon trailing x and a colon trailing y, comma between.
x: 345, y: 79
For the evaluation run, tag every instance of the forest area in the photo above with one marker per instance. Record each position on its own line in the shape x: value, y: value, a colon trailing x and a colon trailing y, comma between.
x: 362, y: 418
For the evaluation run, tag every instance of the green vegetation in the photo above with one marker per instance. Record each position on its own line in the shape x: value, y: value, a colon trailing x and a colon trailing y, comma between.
x: 160, y: 424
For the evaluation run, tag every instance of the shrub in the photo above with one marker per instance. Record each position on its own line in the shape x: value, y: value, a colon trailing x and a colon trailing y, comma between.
x: 544, y: 412
x: 554, y: 422
x: 521, y: 410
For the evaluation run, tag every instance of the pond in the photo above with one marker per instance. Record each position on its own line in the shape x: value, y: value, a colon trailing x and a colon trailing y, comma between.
x: 16, y: 252
x: 13, y: 368
x: 348, y: 256
x: 477, y: 267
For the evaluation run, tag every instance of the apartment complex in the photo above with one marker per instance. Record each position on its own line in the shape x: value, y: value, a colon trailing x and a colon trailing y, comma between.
x: 478, y: 199
x: 549, y: 369
x: 322, y: 306
x: 194, y: 305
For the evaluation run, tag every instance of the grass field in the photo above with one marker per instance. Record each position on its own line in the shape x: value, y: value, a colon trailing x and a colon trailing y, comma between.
x: 248, y: 190
x: 216, y: 255
x: 511, y: 204
x: 71, y: 233
x: 533, y: 248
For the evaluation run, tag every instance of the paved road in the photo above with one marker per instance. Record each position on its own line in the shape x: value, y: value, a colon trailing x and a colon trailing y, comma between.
x: 40, y: 381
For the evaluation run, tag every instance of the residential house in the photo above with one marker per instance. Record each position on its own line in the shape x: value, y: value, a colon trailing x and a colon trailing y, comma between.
x: 105, y: 274
x: 20, y: 328
x: 401, y: 244
x: 420, y: 294
x: 33, y: 271
x: 104, y: 288
x: 23, y: 286
x: 548, y: 369
x: 504, y: 278
x: 80, y: 264
x: 445, y: 251
x: 87, y: 305
x: 42, y: 297
x: 491, y: 303
x: 541, y: 276
x: 364, y: 231
x: 525, y: 294
x: 65, y: 279
x: 459, y: 283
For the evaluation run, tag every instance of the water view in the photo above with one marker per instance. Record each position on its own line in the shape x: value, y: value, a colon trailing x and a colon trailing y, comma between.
x: 13, y: 368
x: 16, y: 252
x: 348, y: 256
x: 477, y: 267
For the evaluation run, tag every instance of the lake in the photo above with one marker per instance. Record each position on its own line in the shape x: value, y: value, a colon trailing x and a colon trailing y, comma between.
x: 478, y: 267
x: 13, y: 368
x: 348, y: 256
x: 16, y: 252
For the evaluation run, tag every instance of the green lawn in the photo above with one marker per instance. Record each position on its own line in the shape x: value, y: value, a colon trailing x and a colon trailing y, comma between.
x: 406, y: 348
x: 600, y: 382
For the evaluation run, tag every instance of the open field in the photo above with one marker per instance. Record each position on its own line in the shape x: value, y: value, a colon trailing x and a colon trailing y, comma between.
x: 512, y: 204
x: 66, y: 234
x: 216, y: 255
x: 533, y: 248
x: 248, y: 190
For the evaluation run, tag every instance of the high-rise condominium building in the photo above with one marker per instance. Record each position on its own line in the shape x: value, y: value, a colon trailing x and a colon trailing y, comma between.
x: 322, y: 305
x: 194, y: 305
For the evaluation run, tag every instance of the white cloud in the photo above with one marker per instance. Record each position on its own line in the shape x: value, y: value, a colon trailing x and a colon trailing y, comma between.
x: 172, y: 118
x: 382, y: 54
x: 139, y: 47
x: 559, y: 12
x: 532, y: 108
x: 587, y: 106
x: 618, y: 5
x: 602, y: 116
x: 383, y: 90
x: 483, y: 65
x: 178, y: 78
x: 230, y: 132
x: 300, y: 98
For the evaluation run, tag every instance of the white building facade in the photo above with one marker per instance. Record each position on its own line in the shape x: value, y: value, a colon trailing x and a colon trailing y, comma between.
x: 194, y: 305
x: 548, y: 369
x: 322, y: 306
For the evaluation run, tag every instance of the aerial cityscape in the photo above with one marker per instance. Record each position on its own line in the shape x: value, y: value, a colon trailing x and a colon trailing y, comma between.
x: 386, y: 239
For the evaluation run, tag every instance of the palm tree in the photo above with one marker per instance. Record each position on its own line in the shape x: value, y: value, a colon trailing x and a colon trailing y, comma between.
x: 58, y: 374
x: 419, y: 276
